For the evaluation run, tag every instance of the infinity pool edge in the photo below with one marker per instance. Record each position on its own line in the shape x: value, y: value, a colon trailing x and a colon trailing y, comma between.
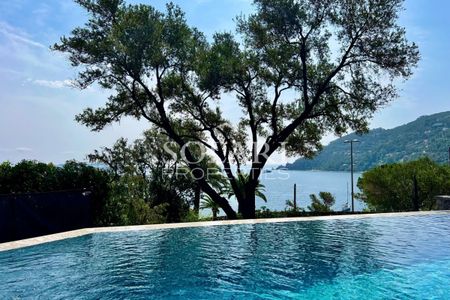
x: 86, y: 231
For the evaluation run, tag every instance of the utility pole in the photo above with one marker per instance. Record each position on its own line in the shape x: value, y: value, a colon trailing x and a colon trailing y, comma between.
x: 351, y: 168
x: 295, y: 197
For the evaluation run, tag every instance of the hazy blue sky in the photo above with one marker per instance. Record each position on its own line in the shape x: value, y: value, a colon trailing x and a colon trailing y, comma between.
x: 37, y: 108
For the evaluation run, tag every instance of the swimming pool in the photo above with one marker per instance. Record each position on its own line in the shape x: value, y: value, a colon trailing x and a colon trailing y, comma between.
x: 405, y: 257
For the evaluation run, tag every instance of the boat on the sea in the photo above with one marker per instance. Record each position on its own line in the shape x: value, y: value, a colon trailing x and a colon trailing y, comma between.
x: 346, y: 208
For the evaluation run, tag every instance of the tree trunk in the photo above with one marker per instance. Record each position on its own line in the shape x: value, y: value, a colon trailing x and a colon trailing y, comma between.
x: 221, y: 201
x: 197, y: 193
x: 247, y: 206
x: 196, y: 170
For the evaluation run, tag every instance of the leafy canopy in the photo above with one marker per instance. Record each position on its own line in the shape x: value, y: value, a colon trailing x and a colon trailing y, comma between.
x: 298, y: 70
x: 390, y: 187
x: 323, y: 203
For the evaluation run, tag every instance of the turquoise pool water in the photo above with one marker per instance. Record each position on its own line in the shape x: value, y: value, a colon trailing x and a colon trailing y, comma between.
x: 371, y: 258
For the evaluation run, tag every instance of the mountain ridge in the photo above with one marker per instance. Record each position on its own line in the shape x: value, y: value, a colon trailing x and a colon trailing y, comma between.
x: 426, y: 136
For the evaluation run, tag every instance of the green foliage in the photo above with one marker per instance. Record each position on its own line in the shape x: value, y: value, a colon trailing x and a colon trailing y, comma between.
x: 192, y: 216
x: 28, y: 177
x: 127, y: 206
x: 34, y: 177
x: 125, y: 199
x: 164, y: 71
x: 157, y: 177
x: 323, y: 203
x: 291, y: 207
x: 208, y: 203
x: 427, y: 136
x: 390, y: 187
x: 242, y: 181
x: 264, y: 212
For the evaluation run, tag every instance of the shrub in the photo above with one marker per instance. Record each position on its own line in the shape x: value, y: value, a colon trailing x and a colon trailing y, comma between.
x: 391, y: 187
x: 323, y: 203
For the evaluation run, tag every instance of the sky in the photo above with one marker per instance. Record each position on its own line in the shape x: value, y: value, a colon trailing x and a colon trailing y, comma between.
x: 38, y: 106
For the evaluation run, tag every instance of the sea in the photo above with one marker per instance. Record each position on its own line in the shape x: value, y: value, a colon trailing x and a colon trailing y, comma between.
x: 279, y: 187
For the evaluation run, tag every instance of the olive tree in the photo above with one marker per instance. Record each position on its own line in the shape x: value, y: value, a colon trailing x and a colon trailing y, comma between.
x: 297, y: 68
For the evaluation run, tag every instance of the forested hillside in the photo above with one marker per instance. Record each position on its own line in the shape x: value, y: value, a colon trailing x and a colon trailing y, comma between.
x: 427, y: 136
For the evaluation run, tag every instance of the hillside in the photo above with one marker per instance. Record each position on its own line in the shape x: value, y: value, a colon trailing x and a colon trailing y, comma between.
x: 426, y: 136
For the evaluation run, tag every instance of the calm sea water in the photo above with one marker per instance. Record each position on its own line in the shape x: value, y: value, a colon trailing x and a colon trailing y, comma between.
x: 372, y: 258
x: 279, y: 185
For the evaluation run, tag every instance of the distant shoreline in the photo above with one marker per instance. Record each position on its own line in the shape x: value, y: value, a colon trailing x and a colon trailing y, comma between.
x: 316, y: 170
